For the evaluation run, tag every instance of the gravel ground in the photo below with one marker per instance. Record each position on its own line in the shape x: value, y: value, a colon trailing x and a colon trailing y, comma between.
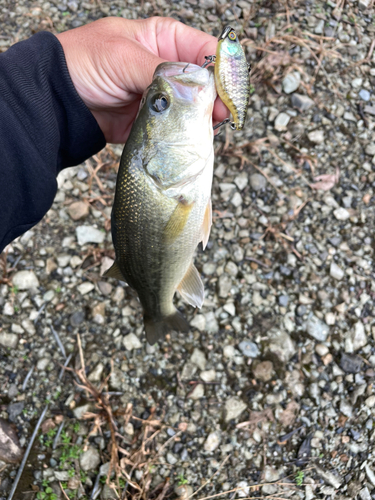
x: 276, y: 376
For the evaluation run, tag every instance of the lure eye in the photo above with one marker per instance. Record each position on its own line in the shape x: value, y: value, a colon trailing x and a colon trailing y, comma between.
x: 232, y: 36
x: 159, y: 103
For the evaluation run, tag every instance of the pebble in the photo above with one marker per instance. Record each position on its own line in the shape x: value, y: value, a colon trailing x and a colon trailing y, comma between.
x: 370, y: 402
x: 183, y: 491
x: 79, y: 411
x: 62, y: 475
x: 96, y: 374
x: 105, y: 288
x: 346, y: 408
x: 10, y: 449
x: 280, y: 344
x: 364, y: 95
x: 249, y: 349
x: 281, y: 122
x: 291, y: 82
x: 317, y: 136
x: 198, y: 358
x: 224, y: 284
x: 89, y: 234
x: 351, y: 363
x: 77, y: 318
x: 208, y: 375
x: 341, y: 213
x: 264, y: 371
x: 198, y: 322
x: 321, y: 349
x: 90, y: 459
x: 78, y: 210
x: 319, y: 28
x: 212, y: 441
x: 24, y: 280
x: 241, y: 181
x: 317, y: 328
x: 243, y: 489
x: 131, y: 342
x: 85, y: 287
x: 365, y: 494
x: 171, y: 459
x: 370, y: 149
x: 233, y: 408
x: 283, y: 300
x: 257, y: 182
x: 197, y: 392
x: 14, y: 410
x: 336, y: 272
x: 8, y: 340
x: 358, y: 336
x: 301, y: 102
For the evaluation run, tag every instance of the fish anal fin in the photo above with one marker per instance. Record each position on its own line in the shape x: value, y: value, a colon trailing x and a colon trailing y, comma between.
x: 114, y: 272
x: 156, y: 329
x: 177, y: 221
x: 206, y: 225
x: 191, y: 287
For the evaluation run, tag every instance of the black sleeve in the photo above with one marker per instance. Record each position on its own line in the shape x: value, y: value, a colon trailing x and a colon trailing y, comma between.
x: 44, y: 127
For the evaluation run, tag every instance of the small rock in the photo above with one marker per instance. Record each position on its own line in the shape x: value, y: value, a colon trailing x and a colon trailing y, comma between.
x: 212, y: 325
x: 317, y: 328
x: 271, y: 474
x: 105, y: 287
x: 233, y: 408
x: 364, y: 95
x: 78, y: 210
x: 85, y: 287
x: 346, y: 408
x: 98, y: 313
x: 291, y: 82
x: 241, y: 181
x: 321, y: 349
x: 283, y: 300
x: 96, y: 374
x: 281, y: 121
x: 224, y: 284
x: 131, y: 341
x: 249, y: 349
x: 77, y: 318
x: 341, y: 213
x: 8, y: 309
x: 208, y: 375
x: 79, y: 411
x: 370, y: 149
x: 171, y: 459
x: 188, y: 371
x: 90, y: 459
x: 14, y: 410
x: 351, y: 363
x: 243, y: 489
x: 317, y: 136
x: 8, y: 340
x: 61, y: 475
x: 24, y: 280
x: 183, y: 491
x: 364, y: 4
x: 329, y: 477
x: 212, y: 441
x: 358, y: 336
x: 198, y: 322
x: 319, y: 28
x: 10, y: 450
x: 365, y: 494
x: 197, y: 392
x: 257, y: 182
x: 264, y: 371
x: 336, y: 272
x: 229, y: 351
x: 89, y: 234
x: 280, y: 344
x: 198, y: 358
x: 301, y: 102
x: 370, y: 402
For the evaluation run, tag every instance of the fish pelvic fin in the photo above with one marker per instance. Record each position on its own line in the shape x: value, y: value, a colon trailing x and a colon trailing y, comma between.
x: 157, y: 329
x: 191, y: 287
x: 114, y: 272
x: 177, y: 221
x: 207, y: 223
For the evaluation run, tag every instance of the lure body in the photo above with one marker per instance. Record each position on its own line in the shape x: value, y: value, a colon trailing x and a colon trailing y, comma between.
x: 232, y: 76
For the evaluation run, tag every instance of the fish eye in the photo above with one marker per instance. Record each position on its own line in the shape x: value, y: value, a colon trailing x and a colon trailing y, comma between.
x: 232, y: 36
x: 159, y: 103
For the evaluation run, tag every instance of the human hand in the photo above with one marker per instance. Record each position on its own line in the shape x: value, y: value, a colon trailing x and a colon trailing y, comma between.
x: 111, y: 62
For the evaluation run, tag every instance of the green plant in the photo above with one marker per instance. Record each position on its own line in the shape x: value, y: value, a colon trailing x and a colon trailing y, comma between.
x: 58, y: 289
x: 252, y: 88
x: 71, y: 472
x: 181, y: 480
x: 48, y: 493
x: 14, y: 289
x: 83, y: 476
x: 121, y: 482
x: 76, y: 427
x: 299, y: 477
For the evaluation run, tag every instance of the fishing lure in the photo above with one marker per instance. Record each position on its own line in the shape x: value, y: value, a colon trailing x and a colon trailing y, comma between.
x: 231, y: 77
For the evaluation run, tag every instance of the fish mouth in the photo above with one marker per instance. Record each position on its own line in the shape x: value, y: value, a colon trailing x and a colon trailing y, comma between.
x: 225, y: 32
x: 185, y: 73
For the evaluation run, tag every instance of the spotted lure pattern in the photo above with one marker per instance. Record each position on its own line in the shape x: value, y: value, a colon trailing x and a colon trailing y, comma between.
x: 232, y: 76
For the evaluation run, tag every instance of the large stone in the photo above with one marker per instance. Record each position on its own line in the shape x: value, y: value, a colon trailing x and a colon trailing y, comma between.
x: 10, y: 449
x: 90, y: 459
x: 89, y: 234
x: 233, y: 408
x: 24, y: 280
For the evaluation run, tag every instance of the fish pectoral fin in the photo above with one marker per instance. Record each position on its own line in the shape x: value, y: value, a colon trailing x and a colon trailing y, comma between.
x: 191, y: 287
x: 114, y: 272
x: 207, y: 223
x: 177, y: 221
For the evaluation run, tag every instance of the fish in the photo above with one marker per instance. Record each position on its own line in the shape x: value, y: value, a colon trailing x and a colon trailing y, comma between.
x: 232, y: 76
x: 162, y: 205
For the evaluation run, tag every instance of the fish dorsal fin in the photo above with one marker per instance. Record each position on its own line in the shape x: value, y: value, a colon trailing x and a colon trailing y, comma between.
x: 207, y: 223
x: 177, y: 221
x: 114, y: 272
x: 191, y: 287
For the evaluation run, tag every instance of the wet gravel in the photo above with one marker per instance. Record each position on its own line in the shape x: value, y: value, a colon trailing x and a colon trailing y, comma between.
x: 285, y: 339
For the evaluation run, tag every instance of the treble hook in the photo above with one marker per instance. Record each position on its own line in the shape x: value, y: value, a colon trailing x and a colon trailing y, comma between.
x: 224, y: 122
x: 185, y: 67
x: 209, y: 60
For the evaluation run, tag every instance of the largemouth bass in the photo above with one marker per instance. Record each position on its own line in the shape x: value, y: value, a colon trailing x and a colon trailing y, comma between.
x: 162, y: 206
x: 232, y: 76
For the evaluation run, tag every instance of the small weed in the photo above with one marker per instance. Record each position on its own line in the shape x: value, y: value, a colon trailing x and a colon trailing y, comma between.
x: 71, y: 472
x: 252, y: 89
x: 83, y: 476
x: 14, y: 289
x: 103, y: 479
x: 121, y: 482
x: 76, y: 427
x: 57, y: 395
x: 181, y: 480
x: 48, y: 493
x: 58, y: 289
x: 16, y: 309
x: 257, y: 25
x: 299, y: 478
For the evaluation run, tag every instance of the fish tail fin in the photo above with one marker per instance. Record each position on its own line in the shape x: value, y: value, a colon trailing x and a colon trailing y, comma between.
x: 156, y: 329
